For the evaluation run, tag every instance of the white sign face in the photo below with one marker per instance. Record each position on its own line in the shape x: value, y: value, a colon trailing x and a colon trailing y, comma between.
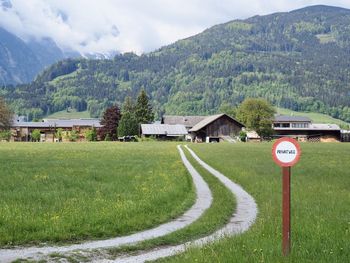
x: 286, y: 152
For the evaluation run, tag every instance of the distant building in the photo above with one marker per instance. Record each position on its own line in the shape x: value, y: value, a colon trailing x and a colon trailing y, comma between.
x: 303, y: 129
x: 345, y: 135
x: 21, y: 131
x: 207, y: 128
x: 163, y: 131
x: 216, y: 128
x: 187, y: 121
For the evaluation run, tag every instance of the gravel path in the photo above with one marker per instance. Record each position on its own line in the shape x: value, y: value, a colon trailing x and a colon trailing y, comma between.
x: 240, y: 221
x: 203, y: 202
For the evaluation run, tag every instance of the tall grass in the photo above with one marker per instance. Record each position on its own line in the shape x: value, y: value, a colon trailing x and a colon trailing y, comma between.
x: 69, y: 192
x: 320, y: 204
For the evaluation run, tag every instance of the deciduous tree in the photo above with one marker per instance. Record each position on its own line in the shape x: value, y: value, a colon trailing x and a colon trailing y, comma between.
x: 6, y: 116
x: 110, y: 121
x: 257, y: 114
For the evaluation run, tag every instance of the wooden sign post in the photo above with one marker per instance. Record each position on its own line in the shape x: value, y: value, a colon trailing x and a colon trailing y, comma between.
x: 286, y: 152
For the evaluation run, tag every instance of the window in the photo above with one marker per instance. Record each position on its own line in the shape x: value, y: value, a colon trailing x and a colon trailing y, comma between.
x: 300, y: 125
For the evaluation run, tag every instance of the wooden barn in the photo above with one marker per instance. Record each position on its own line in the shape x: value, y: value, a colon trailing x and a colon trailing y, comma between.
x: 216, y: 128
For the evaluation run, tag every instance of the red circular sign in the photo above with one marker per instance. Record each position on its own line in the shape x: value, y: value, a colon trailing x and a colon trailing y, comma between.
x: 286, y: 152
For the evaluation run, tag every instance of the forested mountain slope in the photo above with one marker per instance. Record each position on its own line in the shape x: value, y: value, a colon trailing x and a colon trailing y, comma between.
x: 21, y: 61
x: 298, y: 60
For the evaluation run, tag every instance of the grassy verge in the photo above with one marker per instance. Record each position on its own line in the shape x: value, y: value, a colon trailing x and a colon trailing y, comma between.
x: 70, y: 192
x: 215, y: 217
x: 320, y: 204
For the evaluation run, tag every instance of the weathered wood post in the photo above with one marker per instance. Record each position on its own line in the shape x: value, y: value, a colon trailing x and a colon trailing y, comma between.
x: 286, y: 152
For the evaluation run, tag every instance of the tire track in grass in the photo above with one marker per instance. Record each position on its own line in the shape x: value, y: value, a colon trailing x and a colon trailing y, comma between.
x: 203, y: 202
x: 241, y: 220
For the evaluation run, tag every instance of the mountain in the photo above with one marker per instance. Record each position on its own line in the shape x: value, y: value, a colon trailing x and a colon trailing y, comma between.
x: 298, y: 60
x: 20, y: 62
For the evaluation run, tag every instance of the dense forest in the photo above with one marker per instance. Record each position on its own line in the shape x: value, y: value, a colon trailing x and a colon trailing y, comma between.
x: 298, y: 60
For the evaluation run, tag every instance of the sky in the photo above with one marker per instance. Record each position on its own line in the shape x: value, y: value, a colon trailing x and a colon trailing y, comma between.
x: 140, y: 26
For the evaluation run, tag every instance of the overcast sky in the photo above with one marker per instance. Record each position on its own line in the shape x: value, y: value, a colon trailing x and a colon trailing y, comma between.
x: 131, y: 25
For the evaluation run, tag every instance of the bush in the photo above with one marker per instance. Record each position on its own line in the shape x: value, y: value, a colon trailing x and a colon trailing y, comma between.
x: 243, y: 136
x: 5, y: 135
x: 58, y: 134
x: 91, y: 135
x: 36, y: 135
x: 73, y: 136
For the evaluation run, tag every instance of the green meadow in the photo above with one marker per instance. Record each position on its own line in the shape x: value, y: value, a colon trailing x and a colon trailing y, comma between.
x: 68, y: 192
x: 320, y: 204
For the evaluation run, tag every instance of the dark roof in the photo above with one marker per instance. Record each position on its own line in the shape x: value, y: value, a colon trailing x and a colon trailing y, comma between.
x: 163, y: 129
x: 209, y: 120
x: 286, y: 118
x: 60, y: 123
x: 188, y: 121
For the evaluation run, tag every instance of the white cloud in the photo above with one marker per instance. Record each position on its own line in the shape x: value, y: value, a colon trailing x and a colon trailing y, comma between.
x: 133, y: 25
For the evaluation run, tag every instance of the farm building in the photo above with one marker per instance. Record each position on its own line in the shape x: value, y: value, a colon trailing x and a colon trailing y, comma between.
x: 345, y: 135
x: 21, y: 131
x: 187, y: 121
x: 163, y: 131
x: 206, y: 128
x: 303, y: 129
x: 215, y: 128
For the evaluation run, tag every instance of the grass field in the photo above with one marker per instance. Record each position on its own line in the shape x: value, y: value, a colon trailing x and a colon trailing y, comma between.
x: 76, y: 191
x: 215, y: 217
x: 320, y: 204
x: 314, y: 116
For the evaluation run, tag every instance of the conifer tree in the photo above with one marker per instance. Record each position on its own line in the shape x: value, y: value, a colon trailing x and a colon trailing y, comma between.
x: 143, y: 110
x: 128, y: 124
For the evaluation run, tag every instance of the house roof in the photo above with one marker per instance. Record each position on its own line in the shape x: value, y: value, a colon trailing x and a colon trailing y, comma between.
x: 287, y: 118
x: 60, y: 123
x: 188, y: 121
x: 163, y: 129
x: 209, y: 120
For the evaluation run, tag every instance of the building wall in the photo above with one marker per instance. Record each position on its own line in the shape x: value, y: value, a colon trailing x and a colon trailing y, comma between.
x: 223, y: 126
x: 24, y: 134
x: 311, y: 135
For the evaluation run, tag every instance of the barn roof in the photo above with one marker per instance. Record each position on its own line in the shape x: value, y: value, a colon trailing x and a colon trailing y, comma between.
x: 209, y: 120
x: 163, y: 129
x: 188, y: 121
